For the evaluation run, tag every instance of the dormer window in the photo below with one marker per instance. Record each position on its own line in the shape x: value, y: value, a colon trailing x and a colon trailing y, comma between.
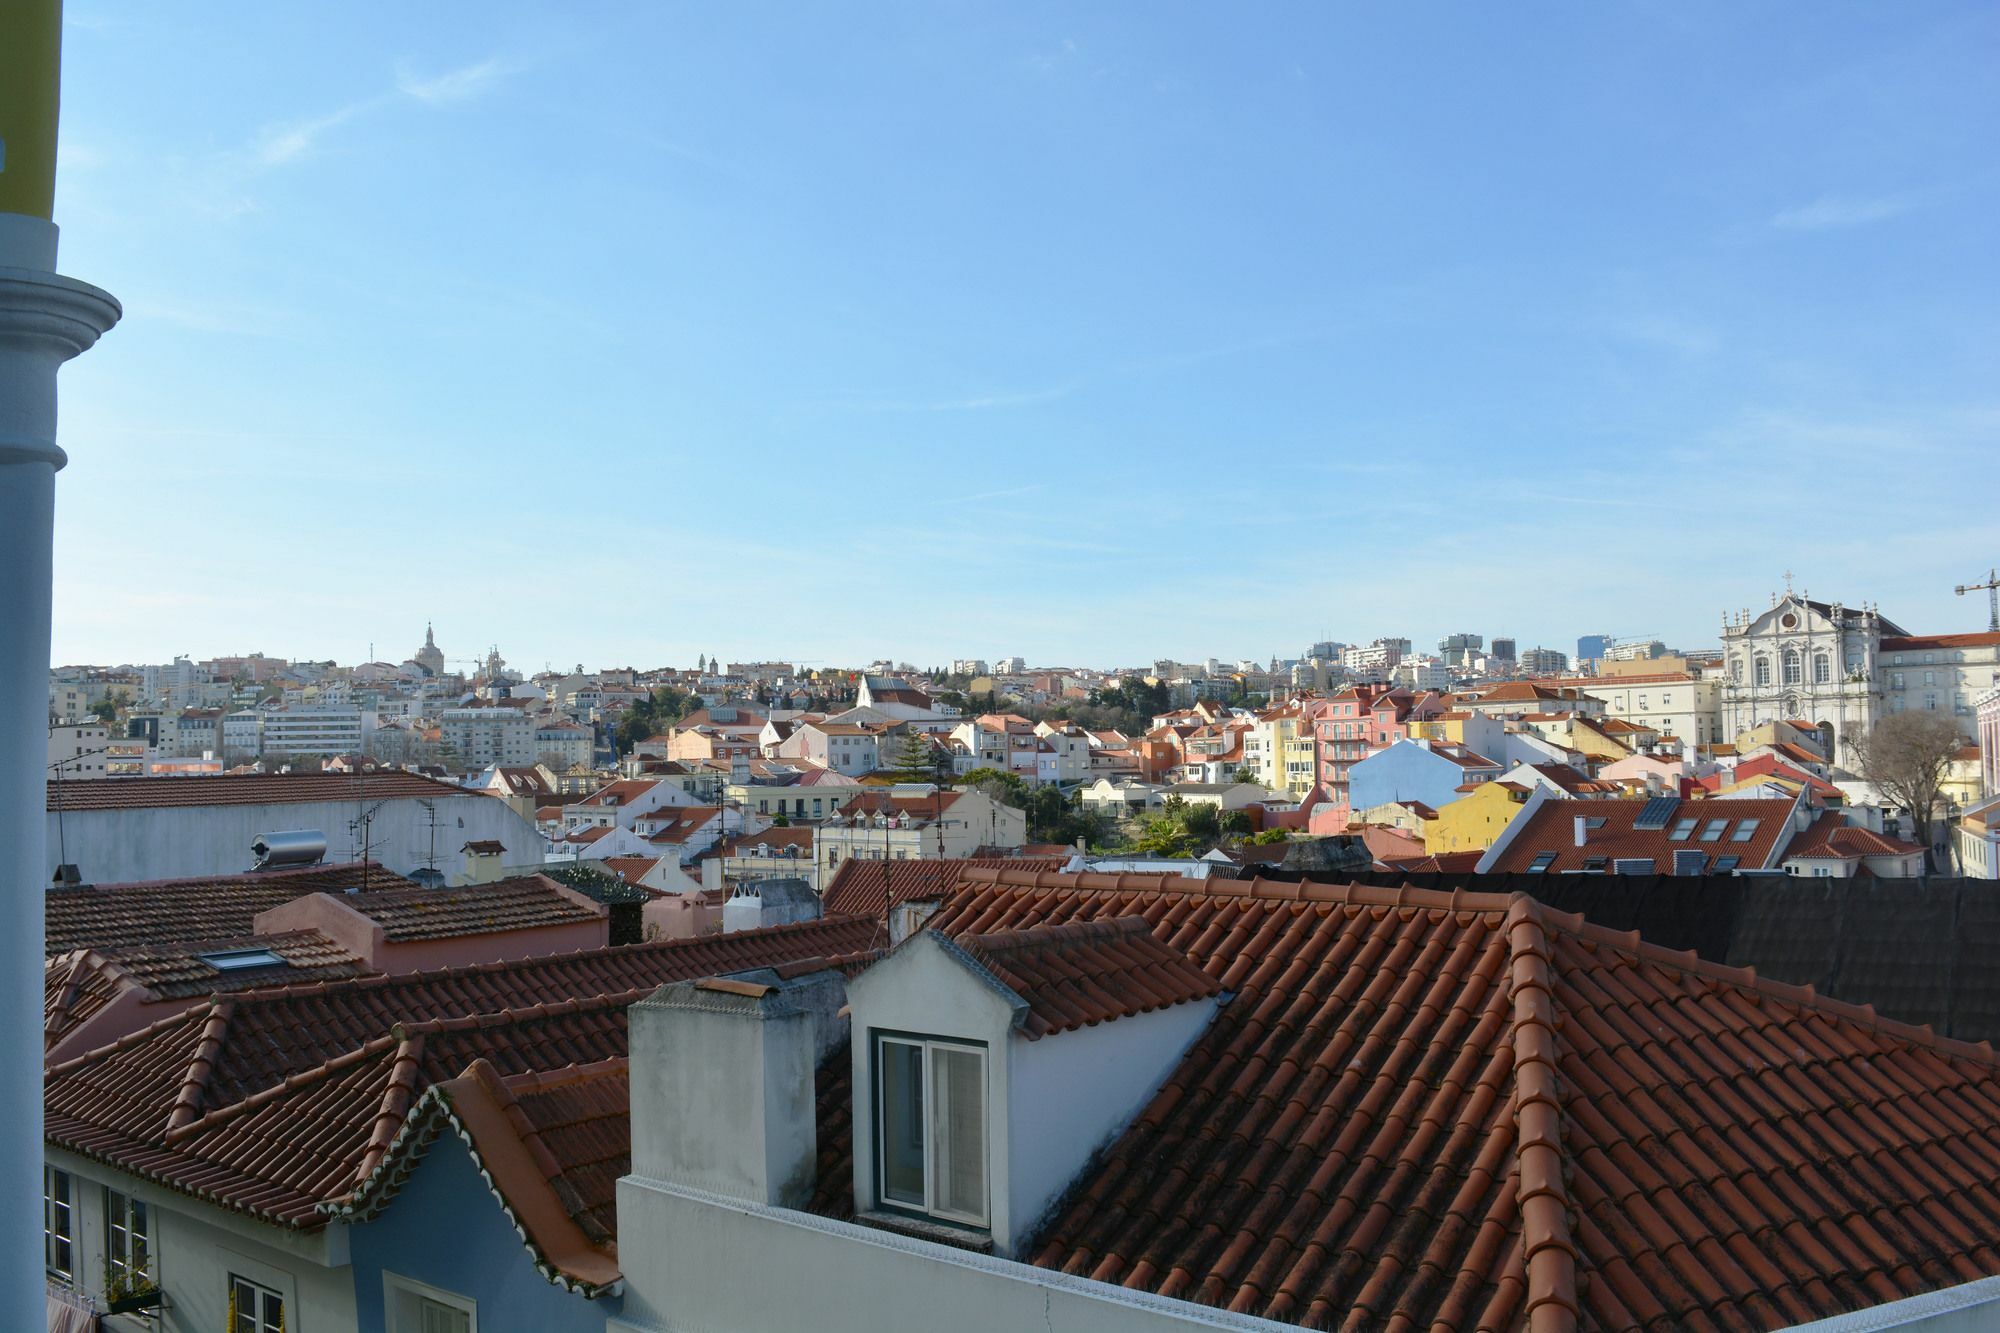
x: 931, y: 1127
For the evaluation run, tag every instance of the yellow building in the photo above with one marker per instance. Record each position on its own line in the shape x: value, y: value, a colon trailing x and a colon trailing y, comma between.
x: 1473, y: 822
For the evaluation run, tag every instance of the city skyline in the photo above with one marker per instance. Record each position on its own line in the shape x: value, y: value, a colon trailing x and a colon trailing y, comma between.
x: 1021, y: 327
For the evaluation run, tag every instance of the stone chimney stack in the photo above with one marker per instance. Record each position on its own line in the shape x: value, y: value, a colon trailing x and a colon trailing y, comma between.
x: 722, y: 1083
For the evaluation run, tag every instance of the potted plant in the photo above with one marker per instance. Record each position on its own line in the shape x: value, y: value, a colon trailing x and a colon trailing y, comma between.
x: 128, y: 1290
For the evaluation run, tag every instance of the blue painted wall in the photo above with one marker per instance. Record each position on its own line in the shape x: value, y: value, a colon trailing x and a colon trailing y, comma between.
x: 447, y: 1230
x: 1405, y: 771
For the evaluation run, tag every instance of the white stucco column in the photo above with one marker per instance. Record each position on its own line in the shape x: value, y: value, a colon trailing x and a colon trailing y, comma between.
x: 45, y: 320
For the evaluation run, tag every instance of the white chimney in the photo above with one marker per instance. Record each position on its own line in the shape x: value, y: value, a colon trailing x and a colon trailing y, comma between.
x: 1582, y: 826
x: 743, y: 1127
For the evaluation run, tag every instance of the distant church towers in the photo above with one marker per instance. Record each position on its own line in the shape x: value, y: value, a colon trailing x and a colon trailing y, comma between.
x: 429, y: 657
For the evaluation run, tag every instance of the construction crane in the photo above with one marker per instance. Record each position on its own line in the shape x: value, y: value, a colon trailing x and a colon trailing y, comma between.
x: 1992, y: 590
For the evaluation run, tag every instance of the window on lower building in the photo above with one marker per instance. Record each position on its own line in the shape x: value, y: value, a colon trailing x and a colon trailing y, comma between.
x: 59, y: 1223
x: 128, y: 1242
x: 254, y: 1308
x: 415, y: 1307
x: 930, y: 1125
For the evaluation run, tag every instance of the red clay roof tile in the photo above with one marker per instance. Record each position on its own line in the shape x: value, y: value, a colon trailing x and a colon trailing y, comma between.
x: 1436, y: 1110
x: 1085, y: 973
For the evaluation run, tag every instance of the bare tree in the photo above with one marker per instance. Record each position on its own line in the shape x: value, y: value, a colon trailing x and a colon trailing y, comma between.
x: 1905, y: 757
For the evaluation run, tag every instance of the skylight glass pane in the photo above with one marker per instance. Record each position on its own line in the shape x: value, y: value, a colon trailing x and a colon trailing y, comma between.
x: 1745, y: 830
x: 1713, y: 831
x: 237, y: 960
x: 1542, y: 861
x: 1684, y: 829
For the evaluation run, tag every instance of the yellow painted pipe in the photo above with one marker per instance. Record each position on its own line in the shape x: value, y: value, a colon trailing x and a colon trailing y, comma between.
x: 30, y: 84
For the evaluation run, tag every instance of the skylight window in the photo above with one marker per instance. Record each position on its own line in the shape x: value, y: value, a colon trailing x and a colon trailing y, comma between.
x: 1594, y: 863
x: 1725, y: 864
x: 1713, y: 831
x: 1684, y: 829
x: 1745, y: 830
x: 242, y: 960
x: 1594, y: 822
x: 1542, y: 861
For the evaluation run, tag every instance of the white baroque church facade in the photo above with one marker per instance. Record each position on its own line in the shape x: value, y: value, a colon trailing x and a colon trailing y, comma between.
x: 1839, y: 668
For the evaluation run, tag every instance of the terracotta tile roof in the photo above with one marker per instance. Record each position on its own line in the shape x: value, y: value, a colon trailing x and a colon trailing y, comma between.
x: 1563, y: 776
x: 1984, y: 639
x: 916, y: 807
x: 1431, y: 1110
x: 475, y: 909
x: 1086, y: 973
x: 618, y: 794
x: 1833, y: 837
x: 631, y: 869
x: 180, y: 911
x: 254, y: 789
x: 1551, y: 829
x: 77, y: 986
x: 273, y: 1102
x: 552, y: 1146
x: 857, y: 887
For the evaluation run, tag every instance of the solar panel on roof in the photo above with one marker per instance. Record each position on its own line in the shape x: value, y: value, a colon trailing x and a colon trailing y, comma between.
x: 1656, y: 812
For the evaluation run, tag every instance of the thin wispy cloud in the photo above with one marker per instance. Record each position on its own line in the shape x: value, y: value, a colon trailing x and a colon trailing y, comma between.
x: 455, y: 85
x: 282, y: 143
x: 286, y: 142
x: 1831, y: 212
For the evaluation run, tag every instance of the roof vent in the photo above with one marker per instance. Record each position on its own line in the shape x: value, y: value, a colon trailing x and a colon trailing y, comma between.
x: 67, y: 876
x: 288, y: 850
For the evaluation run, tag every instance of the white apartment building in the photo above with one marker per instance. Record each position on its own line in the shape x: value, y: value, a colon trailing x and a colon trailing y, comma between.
x: 77, y: 749
x: 476, y: 737
x: 1376, y: 658
x: 1672, y: 703
x: 316, y: 732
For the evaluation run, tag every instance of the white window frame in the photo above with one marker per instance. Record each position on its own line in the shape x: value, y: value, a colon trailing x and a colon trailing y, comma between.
x: 395, y: 1284
x: 56, y: 1207
x: 930, y: 1206
x: 257, y: 1288
x: 118, y: 1222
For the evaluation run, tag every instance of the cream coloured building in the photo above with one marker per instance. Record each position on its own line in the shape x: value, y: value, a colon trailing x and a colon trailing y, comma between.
x: 1840, y: 668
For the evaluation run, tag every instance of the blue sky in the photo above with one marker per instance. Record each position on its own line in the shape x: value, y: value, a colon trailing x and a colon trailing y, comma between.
x: 616, y: 334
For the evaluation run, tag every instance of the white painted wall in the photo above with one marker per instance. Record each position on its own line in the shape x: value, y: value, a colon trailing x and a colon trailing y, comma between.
x: 1072, y: 1092
x: 168, y: 842
x: 700, y: 1261
x: 198, y: 1246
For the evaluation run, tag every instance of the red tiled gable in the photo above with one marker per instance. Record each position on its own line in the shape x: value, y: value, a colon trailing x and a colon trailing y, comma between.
x: 74, y: 794
x: 1552, y: 829
x: 631, y: 869
x: 863, y: 887
x: 1829, y: 836
x: 552, y: 1146
x: 1455, y: 1111
x: 475, y: 909
x: 275, y: 1101
x: 618, y: 794
x: 1083, y: 974
x: 182, y: 911
x: 915, y: 807
x: 76, y: 986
